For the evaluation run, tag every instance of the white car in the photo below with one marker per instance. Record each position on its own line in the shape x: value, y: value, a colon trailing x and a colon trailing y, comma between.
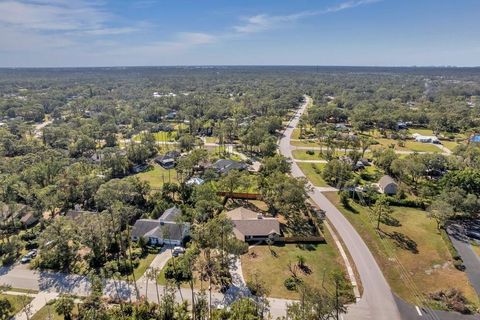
x: 178, y: 251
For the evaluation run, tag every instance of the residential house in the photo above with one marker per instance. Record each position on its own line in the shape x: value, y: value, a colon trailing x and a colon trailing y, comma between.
x: 194, y: 181
x: 425, y: 139
x: 387, y: 185
x: 224, y: 166
x: 164, y: 230
x: 168, y: 160
x: 28, y: 220
x: 252, y: 226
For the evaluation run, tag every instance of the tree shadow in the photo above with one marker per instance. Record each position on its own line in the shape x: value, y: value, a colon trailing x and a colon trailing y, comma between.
x: 403, y: 241
x: 305, y: 269
x: 391, y: 221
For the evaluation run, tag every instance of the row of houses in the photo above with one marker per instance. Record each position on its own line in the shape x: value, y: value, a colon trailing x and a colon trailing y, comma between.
x: 249, y: 226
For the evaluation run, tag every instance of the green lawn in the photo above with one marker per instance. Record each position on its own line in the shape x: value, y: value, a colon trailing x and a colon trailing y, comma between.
x: 159, y: 136
x: 423, y: 132
x: 409, y: 145
x: 303, y: 155
x: 309, y: 170
x: 421, y: 147
x: 17, y: 302
x: 211, y: 139
x: 476, y: 249
x: 451, y: 145
x: 157, y: 176
x: 144, y: 264
x: 304, y: 143
x: 48, y: 313
x: 322, y: 259
x: 418, y: 246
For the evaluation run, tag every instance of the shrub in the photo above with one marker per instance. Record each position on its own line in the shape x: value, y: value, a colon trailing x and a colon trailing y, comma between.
x: 292, y: 283
x: 451, y: 299
x: 310, y: 152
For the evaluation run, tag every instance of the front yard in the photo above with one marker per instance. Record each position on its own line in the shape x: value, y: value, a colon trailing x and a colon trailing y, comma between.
x: 413, y: 239
x: 17, y: 302
x: 272, y: 267
x: 313, y: 171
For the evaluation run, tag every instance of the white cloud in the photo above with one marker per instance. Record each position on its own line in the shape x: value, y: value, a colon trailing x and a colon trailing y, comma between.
x: 263, y: 22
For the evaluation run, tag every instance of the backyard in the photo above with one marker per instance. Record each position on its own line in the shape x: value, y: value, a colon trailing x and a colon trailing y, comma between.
x: 411, y: 239
x: 156, y: 176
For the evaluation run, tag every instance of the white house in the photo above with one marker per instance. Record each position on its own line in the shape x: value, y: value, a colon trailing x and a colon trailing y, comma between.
x: 425, y: 139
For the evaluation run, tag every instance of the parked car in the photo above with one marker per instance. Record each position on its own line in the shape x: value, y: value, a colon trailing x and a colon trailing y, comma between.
x: 178, y: 251
x: 29, y: 256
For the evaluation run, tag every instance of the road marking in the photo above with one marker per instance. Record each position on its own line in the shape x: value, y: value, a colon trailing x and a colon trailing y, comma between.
x: 418, y: 311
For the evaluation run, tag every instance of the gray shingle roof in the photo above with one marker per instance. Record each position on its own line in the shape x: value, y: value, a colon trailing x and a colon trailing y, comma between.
x: 225, y: 165
x: 385, y: 181
x: 161, y: 230
x: 171, y: 214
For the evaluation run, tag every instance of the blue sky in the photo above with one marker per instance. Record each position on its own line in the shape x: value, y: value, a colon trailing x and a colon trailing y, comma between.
x: 53, y: 33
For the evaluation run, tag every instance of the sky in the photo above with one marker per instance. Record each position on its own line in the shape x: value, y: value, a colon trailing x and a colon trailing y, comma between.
x: 82, y: 33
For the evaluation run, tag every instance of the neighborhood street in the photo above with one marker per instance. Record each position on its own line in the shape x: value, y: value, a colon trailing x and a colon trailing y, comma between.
x: 377, y: 301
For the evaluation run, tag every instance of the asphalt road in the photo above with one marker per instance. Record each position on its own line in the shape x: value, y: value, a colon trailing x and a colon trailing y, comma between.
x: 470, y: 259
x: 377, y: 301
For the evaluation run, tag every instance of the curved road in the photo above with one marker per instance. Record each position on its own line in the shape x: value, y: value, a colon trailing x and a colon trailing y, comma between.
x: 377, y: 301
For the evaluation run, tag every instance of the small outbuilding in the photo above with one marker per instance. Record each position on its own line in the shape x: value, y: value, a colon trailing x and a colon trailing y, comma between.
x: 387, y: 185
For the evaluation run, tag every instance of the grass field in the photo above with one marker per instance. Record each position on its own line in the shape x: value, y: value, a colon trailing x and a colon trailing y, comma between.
x: 157, y: 176
x: 421, y: 147
x: 48, y: 313
x: 410, y: 145
x: 304, y: 143
x: 416, y: 244
x: 451, y: 145
x: 303, y: 155
x: 159, y: 136
x: 17, y: 302
x: 309, y: 170
x: 322, y: 259
x: 476, y: 249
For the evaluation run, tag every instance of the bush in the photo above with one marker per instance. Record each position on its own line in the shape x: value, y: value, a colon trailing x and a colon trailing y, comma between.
x: 310, y: 152
x: 451, y: 299
x: 411, y: 203
x: 291, y: 283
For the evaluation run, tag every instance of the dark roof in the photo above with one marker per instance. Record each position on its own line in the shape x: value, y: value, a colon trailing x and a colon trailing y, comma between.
x: 225, y: 165
x: 154, y: 228
x: 171, y: 214
x: 385, y: 181
x: 29, y: 219
x: 78, y: 214
x: 143, y: 226
x: 168, y: 230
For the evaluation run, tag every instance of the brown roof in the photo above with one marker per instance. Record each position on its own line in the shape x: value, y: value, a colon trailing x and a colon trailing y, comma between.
x: 258, y: 227
x: 242, y: 213
x: 250, y: 223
